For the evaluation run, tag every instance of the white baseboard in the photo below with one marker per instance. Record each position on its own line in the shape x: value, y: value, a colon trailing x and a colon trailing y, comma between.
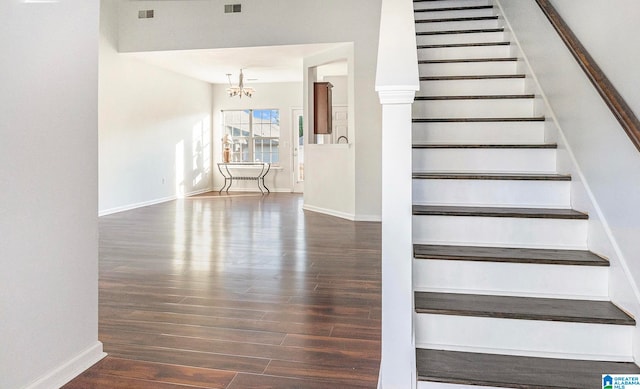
x: 252, y: 190
x: 330, y: 212
x: 71, y: 369
x: 129, y: 207
x: 343, y: 215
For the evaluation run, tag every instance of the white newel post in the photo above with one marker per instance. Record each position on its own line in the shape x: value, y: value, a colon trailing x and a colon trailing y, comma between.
x: 396, y: 82
x: 397, y: 368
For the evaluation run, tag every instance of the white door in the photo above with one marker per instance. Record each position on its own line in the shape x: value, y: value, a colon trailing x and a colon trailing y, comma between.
x: 297, y: 149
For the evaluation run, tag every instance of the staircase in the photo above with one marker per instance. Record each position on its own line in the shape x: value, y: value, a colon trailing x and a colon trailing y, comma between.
x: 506, y: 292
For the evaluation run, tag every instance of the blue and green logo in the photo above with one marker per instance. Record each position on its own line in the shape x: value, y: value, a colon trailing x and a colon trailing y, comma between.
x: 607, y: 382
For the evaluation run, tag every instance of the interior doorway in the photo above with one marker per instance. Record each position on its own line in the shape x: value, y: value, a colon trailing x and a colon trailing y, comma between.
x: 297, y: 149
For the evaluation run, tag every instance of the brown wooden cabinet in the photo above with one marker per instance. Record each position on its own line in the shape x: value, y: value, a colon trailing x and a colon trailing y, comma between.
x: 322, y: 108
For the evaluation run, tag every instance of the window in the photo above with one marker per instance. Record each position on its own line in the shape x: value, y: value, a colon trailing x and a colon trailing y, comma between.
x: 255, y: 134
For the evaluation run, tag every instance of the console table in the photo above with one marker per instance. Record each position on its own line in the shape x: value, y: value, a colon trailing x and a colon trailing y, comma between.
x: 244, y: 171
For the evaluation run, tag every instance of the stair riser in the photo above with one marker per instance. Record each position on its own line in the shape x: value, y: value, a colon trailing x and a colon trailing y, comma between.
x: 484, y: 160
x: 467, y: 13
x: 479, y: 108
x: 504, y: 193
x: 500, y: 231
x: 524, y: 337
x: 460, y: 38
x: 465, y: 52
x: 440, y: 385
x: 468, y: 68
x: 502, y: 86
x: 479, y: 133
x: 450, y: 3
x: 466, y: 25
x: 512, y: 279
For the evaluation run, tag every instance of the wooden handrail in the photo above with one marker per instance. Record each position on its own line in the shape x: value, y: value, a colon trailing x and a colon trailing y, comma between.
x: 607, y: 91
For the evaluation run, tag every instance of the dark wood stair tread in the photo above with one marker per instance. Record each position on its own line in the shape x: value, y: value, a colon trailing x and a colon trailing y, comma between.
x: 478, y: 120
x: 476, y: 97
x: 456, y: 32
x: 523, y: 308
x: 466, y: 60
x: 469, y: 8
x: 510, y: 371
x: 533, y: 213
x: 508, y: 254
x: 491, y: 176
x: 472, y: 77
x: 462, y: 19
x: 483, y: 146
x: 475, y: 44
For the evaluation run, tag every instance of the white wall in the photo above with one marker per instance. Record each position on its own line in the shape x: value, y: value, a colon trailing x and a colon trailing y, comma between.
x: 202, y: 24
x: 339, y: 92
x: 283, y: 96
x: 154, y: 126
x: 593, y: 147
x: 609, y: 30
x: 48, y: 201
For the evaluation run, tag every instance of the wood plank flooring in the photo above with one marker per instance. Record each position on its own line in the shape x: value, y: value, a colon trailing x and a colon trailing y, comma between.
x: 237, y: 291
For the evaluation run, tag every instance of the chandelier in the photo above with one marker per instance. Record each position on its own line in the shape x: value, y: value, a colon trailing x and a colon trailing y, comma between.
x: 240, y: 89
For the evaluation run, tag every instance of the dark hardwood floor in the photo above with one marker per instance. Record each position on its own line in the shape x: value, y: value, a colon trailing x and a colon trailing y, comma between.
x: 237, y: 291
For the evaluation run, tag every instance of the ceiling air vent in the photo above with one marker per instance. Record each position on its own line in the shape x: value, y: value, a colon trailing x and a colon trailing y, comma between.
x: 145, y: 14
x: 232, y: 8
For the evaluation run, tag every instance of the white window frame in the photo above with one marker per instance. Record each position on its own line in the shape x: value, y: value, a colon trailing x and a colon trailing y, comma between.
x: 237, y: 155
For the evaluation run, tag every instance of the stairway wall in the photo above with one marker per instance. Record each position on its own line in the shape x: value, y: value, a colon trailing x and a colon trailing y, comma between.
x: 593, y: 148
x: 608, y: 29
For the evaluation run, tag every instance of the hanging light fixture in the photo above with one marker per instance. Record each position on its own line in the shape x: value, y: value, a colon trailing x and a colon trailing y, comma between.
x: 240, y: 89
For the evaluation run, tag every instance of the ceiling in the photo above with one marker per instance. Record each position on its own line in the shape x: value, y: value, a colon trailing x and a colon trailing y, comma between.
x: 261, y: 64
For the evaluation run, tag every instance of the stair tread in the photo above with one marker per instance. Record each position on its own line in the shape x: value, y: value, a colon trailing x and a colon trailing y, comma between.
x: 468, y: 8
x: 477, y: 120
x: 524, y: 308
x: 509, y: 254
x: 461, y: 19
x: 476, y: 44
x: 533, y: 213
x: 453, y: 32
x: 510, y: 371
x: 471, y: 77
x: 476, y: 97
x: 466, y: 60
x: 484, y: 146
x: 491, y: 176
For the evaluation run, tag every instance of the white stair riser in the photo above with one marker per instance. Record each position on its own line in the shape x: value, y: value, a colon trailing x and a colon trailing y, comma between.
x: 511, y: 279
x: 500, y: 231
x: 524, y: 337
x: 473, y: 108
x: 467, y: 13
x: 500, y: 51
x: 503, y: 193
x: 478, y: 133
x: 500, y: 86
x: 450, y: 3
x: 468, y: 68
x: 440, y: 385
x: 465, y: 25
x: 479, y: 37
x: 484, y: 160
